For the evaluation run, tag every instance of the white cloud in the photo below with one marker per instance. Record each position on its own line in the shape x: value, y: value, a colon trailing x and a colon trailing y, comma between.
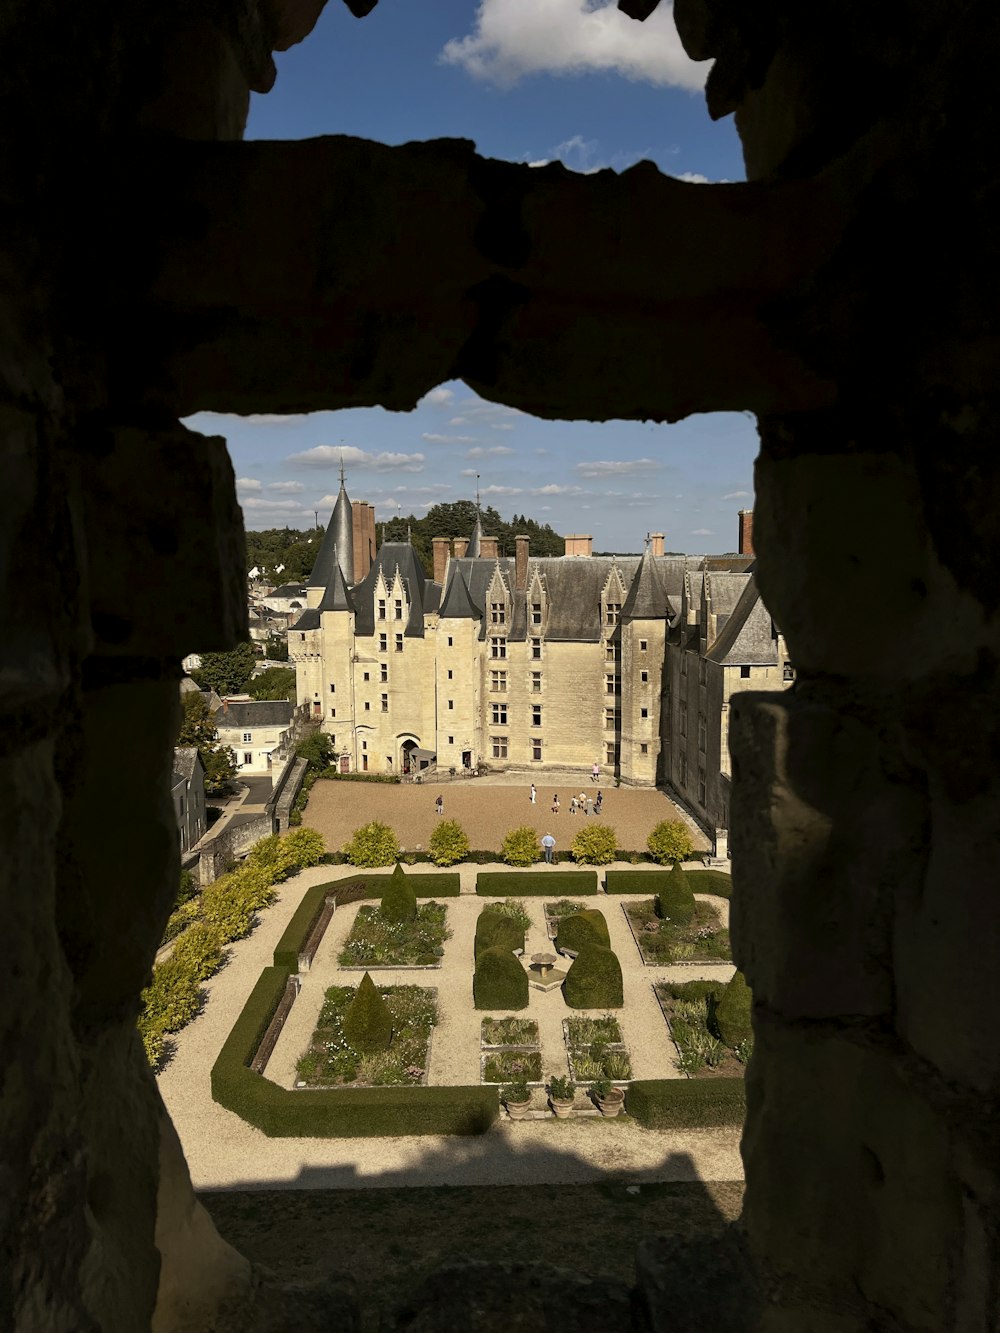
x: 248, y: 483
x: 692, y: 177
x: 499, y: 450
x: 458, y: 421
x: 222, y: 419
x: 615, y: 467
x: 554, y: 489
x: 329, y: 456
x: 737, y: 495
x: 448, y: 439
x: 512, y: 38
x: 272, y: 506
x: 438, y: 397
x: 501, y: 490
x: 286, y: 487
x: 469, y: 472
x: 501, y: 425
x: 584, y: 156
x: 701, y: 532
x: 545, y: 509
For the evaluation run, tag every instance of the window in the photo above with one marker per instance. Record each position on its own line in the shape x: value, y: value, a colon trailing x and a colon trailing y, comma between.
x: 702, y: 732
x: 247, y: 758
x: 643, y: 645
x: 302, y: 637
x: 644, y: 677
x: 450, y: 674
x: 744, y: 673
x: 613, y: 652
x: 612, y: 719
x: 611, y: 754
x: 451, y: 740
x: 499, y: 715
x: 701, y: 786
x: 384, y: 673
x: 536, y: 613
x: 450, y: 641
x: 385, y: 703
x: 397, y: 609
x: 612, y: 612
x: 381, y: 608
x: 644, y: 712
x: 364, y: 763
x: 702, y: 671
x: 364, y: 745
x: 383, y: 643
x: 367, y: 706
x: 536, y: 715
x: 333, y: 689
x: 498, y: 647
x: 499, y: 747
x: 684, y: 664
x: 451, y: 703
x: 788, y: 672
x: 684, y: 718
x: 536, y: 750
x: 498, y: 682
x: 333, y: 712
x: 399, y: 643
x: 498, y: 613
x: 609, y: 685
x: 644, y: 749
x: 684, y: 770
x: 368, y: 675
x: 247, y: 737
x: 536, y: 682
x: 536, y: 649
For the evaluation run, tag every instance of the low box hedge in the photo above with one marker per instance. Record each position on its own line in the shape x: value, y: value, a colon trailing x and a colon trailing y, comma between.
x: 710, y: 881
x: 680, y: 1103
x: 336, y: 1112
x: 536, y: 883
x: 651, y: 882
x: 288, y: 948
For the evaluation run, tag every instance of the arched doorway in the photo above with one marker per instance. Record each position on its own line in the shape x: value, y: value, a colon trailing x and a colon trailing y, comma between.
x: 406, y: 764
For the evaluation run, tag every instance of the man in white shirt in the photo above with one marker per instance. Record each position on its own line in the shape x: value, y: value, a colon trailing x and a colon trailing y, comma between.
x: 548, y: 842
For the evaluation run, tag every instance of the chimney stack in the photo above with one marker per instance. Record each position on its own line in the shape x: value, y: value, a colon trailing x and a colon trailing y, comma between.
x: 746, y: 532
x: 579, y: 545
x: 364, y: 537
x: 441, y: 548
x: 461, y: 546
x: 520, y: 563
x: 489, y: 547
x: 657, y: 543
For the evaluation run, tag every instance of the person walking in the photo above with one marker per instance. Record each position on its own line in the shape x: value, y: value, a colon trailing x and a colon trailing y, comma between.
x: 555, y: 804
x: 548, y: 842
x: 532, y: 796
x: 590, y: 805
x: 595, y: 773
x: 599, y: 802
x: 572, y: 806
x: 582, y: 802
x: 439, y: 805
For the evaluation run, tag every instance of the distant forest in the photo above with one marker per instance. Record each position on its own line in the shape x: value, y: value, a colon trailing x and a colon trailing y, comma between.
x: 297, y: 550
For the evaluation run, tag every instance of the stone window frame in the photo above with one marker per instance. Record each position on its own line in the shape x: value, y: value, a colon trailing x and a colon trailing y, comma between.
x: 536, y: 715
x: 381, y: 609
x: 385, y: 703
x: 498, y: 613
x: 399, y: 643
x: 536, y: 682
x: 499, y: 746
x: 498, y: 713
x: 248, y: 738
x: 536, y: 749
x: 383, y: 643
x: 536, y: 649
x: 498, y: 649
x: 498, y: 681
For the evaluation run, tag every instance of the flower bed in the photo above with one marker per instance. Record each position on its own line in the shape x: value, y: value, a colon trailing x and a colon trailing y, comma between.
x: 497, y: 1033
x: 596, y: 1049
x: 506, y: 1066
x: 703, y: 939
x: 331, y: 1062
x: 689, y: 1009
x: 377, y: 942
x: 554, y: 913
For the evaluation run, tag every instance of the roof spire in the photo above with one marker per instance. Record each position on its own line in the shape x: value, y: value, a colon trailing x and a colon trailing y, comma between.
x: 477, y: 493
x: 341, y: 469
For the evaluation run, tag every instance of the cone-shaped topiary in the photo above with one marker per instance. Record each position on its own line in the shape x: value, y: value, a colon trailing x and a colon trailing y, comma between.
x: 595, y: 980
x: 399, y: 901
x: 732, y: 1013
x: 368, y: 1023
x: 494, y: 931
x: 582, y: 928
x: 500, y: 982
x: 675, y: 901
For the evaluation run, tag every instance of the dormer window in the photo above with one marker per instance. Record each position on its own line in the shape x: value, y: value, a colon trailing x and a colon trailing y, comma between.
x: 498, y: 613
x: 381, y: 608
x: 612, y: 610
x: 536, y: 613
x: 398, y: 609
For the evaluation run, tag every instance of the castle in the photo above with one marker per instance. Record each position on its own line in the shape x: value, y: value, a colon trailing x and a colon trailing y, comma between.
x: 549, y: 663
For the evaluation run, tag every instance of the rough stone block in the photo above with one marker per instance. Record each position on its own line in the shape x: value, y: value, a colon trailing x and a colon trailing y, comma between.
x: 693, y: 1285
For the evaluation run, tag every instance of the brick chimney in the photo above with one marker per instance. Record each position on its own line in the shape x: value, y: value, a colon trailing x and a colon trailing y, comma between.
x: 656, y: 538
x: 489, y: 547
x: 441, y: 546
x: 746, y: 532
x: 579, y: 545
x: 461, y: 546
x: 520, y: 563
x: 364, y: 537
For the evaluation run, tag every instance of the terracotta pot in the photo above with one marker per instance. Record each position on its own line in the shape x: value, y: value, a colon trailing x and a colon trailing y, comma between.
x: 563, y: 1109
x: 518, y: 1110
x: 611, y: 1104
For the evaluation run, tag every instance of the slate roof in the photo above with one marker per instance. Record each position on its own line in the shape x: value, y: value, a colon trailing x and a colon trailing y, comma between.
x: 748, y: 637
x: 647, y: 598
x: 476, y: 540
x: 307, y: 620
x: 185, y: 759
x: 326, y: 557
x: 255, y: 713
x: 411, y: 571
x: 457, y: 603
x: 573, y: 591
x: 289, y: 590
x: 336, y: 597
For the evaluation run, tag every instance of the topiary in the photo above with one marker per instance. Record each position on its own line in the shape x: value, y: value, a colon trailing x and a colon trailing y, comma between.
x: 495, y: 931
x: 669, y: 841
x: 595, y: 980
x: 399, y: 901
x: 500, y: 982
x: 594, y: 845
x: 368, y: 1023
x: 373, y: 844
x: 583, y: 928
x: 675, y: 901
x: 732, y: 1013
x: 448, y: 844
x: 520, y: 846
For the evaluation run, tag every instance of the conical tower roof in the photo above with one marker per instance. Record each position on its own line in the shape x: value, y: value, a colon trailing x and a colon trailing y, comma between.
x: 647, y: 598
x: 457, y: 604
x: 336, y: 597
x: 476, y: 540
x: 337, y: 547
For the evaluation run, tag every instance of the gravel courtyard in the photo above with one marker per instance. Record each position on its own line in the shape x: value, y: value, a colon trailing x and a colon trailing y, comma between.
x: 486, y: 809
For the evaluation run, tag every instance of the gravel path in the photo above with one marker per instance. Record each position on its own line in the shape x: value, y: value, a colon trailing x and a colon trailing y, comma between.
x: 224, y: 1152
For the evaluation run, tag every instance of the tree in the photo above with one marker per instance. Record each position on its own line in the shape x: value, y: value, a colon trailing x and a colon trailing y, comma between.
x: 276, y: 649
x: 669, y: 841
x: 315, y: 748
x: 274, y: 683
x: 198, y: 729
x: 226, y: 673
x: 449, y: 843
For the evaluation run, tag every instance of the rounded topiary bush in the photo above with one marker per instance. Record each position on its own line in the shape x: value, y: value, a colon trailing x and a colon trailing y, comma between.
x: 595, y: 980
x: 594, y: 845
x: 675, y: 901
x: 670, y: 841
x: 368, y: 1023
x: 583, y: 928
x: 500, y: 982
x: 449, y: 843
x: 399, y: 901
x: 305, y: 847
x: 373, y: 844
x: 732, y: 1013
x: 520, y: 846
x: 494, y: 931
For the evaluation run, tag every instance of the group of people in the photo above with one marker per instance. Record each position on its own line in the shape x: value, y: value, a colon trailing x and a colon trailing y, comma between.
x: 587, y: 805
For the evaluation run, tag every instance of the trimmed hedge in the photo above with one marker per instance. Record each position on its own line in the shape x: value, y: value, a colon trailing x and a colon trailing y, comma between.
x: 335, y: 1112
x: 595, y: 980
x: 499, y: 982
x: 732, y: 1012
x: 692, y: 990
x: 286, y: 951
x: 675, y: 901
x: 710, y: 881
x: 494, y: 931
x: 399, y: 901
x: 583, y: 928
x: 650, y: 882
x: 681, y: 1103
x: 536, y: 883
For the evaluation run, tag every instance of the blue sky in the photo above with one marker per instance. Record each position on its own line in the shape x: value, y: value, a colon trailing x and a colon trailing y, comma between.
x: 527, y: 81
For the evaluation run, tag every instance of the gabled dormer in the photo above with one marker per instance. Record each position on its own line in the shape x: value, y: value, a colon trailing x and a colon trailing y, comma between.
x: 537, y: 603
x: 499, y: 604
x: 612, y: 600
x: 399, y: 601
x: 381, y: 599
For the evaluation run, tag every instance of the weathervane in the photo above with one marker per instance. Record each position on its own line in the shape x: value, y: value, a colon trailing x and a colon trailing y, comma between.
x: 341, y: 469
x: 477, y: 492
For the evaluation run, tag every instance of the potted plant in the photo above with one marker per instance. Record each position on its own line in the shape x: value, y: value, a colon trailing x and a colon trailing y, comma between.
x: 609, y: 1099
x: 561, y: 1094
x: 516, y: 1096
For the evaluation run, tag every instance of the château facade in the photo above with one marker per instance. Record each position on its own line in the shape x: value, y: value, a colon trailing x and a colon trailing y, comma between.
x: 548, y: 663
